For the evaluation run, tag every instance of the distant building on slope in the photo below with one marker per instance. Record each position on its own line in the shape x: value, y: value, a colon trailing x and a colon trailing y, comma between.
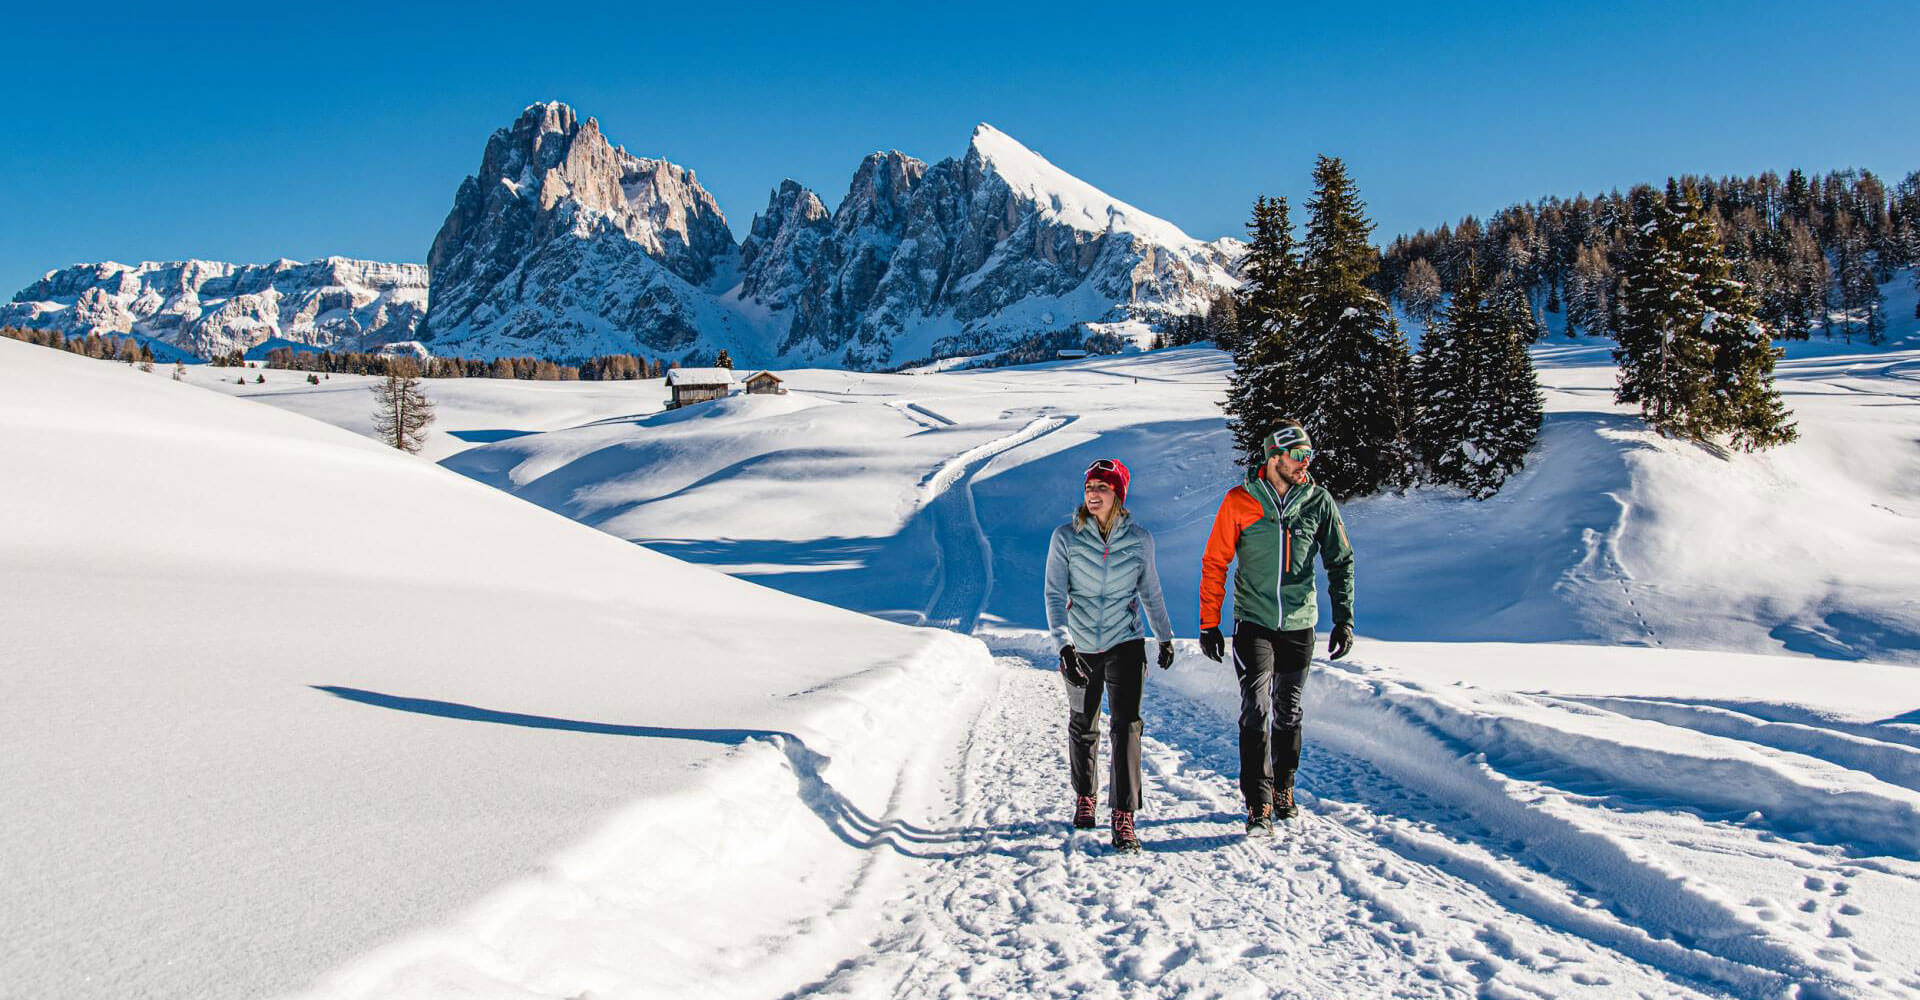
x: 764, y: 383
x: 697, y: 385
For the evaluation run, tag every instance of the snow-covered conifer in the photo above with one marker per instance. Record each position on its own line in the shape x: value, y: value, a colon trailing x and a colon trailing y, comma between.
x: 1350, y: 360
x: 1479, y: 402
x: 1266, y: 314
x: 1691, y: 352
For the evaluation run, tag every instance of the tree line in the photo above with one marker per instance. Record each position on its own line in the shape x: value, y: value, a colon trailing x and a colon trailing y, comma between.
x: 94, y: 345
x: 603, y: 368
x: 1813, y: 250
x: 1314, y: 339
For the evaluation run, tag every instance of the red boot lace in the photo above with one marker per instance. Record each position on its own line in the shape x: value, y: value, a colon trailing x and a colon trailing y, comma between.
x: 1083, y: 810
x: 1122, y: 826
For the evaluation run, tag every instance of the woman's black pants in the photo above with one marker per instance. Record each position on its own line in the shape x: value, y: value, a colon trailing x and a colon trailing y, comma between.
x: 1122, y: 670
x: 1272, y: 667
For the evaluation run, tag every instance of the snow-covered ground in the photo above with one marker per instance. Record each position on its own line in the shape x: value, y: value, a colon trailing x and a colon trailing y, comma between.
x: 277, y: 700
x: 1647, y: 723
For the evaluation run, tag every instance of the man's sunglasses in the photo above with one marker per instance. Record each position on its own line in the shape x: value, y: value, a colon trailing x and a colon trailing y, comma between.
x: 1297, y: 454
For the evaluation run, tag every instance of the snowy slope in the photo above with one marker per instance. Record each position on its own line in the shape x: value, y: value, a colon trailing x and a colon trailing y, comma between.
x: 1612, y: 535
x: 273, y: 695
x: 1530, y: 805
x: 466, y: 411
x: 1556, y: 766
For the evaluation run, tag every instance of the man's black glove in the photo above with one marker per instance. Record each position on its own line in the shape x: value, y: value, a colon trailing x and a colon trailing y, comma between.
x: 1340, y: 643
x: 1071, y: 668
x: 1213, y: 644
x: 1166, y: 654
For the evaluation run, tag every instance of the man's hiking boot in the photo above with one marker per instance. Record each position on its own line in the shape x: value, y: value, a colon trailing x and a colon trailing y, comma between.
x: 1283, y: 807
x: 1260, y: 820
x: 1124, y: 842
x: 1083, y: 808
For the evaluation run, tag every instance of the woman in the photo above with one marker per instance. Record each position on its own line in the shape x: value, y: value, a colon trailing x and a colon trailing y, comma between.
x: 1100, y: 574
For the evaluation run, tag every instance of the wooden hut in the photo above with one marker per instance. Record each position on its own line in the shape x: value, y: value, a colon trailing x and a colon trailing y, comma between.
x: 764, y: 383
x: 697, y: 385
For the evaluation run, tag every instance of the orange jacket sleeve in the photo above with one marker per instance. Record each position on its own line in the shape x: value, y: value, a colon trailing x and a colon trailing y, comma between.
x: 1237, y: 510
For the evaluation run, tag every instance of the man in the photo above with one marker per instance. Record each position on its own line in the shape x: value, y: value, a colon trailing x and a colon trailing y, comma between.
x: 1274, y: 523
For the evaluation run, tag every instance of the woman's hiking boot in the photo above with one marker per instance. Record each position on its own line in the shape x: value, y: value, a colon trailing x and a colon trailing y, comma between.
x: 1260, y: 820
x: 1283, y: 807
x: 1124, y: 841
x: 1083, y: 808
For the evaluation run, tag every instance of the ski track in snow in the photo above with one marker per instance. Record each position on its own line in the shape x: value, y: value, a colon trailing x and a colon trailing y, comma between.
x: 1381, y: 887
x: 961, y: 547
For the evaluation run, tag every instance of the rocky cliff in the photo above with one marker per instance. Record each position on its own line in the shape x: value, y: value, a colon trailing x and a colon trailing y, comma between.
x: 208, y: 307
x: 564, y: 245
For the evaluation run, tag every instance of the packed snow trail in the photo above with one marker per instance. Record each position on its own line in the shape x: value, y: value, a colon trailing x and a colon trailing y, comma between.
x: 1465, y: 881
x: 1326, y: 909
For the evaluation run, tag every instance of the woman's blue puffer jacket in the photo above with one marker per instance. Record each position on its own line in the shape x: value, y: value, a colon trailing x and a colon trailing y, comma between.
x: 1096, y: 587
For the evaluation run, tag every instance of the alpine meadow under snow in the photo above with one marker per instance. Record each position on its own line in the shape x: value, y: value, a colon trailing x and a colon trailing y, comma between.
x: 338, y: 722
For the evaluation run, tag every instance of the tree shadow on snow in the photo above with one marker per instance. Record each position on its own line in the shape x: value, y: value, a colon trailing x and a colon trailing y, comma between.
x: 847, y: 821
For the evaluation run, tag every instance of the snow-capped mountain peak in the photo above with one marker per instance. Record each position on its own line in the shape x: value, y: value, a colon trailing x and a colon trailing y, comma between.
x: 1062, y: 196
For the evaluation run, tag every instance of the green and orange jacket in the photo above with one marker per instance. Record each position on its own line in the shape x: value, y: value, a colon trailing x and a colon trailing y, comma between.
x: 1274, y: 536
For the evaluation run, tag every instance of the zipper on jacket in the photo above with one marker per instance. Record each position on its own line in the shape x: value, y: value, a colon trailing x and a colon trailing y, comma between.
x: 1286, y: 558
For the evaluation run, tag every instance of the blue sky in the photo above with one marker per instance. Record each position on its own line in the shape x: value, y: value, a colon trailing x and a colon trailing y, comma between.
x: 250, y: 132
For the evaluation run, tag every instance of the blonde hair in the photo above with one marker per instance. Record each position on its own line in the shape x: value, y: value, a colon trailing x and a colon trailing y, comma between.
x: 1082, y: 515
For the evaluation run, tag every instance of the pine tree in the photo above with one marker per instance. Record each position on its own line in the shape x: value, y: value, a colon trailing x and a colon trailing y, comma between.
x: 401, y: 410
x: 1664, y: 364
x: 1441, y: 382
x: 1350, y: 361
x: 1589, y: 293
x: 1742, y: 399
x: 1691, y: 352
x: 1513, y: 410
x: 1265, y: 312
x: 1222, y: 320
x: 1480, y: 402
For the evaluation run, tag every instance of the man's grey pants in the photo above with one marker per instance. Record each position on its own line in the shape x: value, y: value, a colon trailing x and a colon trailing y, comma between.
x: 1123, y: 670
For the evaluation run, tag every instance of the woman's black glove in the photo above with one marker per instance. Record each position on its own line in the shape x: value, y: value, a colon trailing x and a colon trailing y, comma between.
x: 1166, y: 654
x: 1071, y: 668
x: 1213, y: 643
x: 1340, y: 643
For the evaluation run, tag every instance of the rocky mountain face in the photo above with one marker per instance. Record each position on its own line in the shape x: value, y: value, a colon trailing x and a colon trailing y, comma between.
x: 979, y: 252
x: 207, y: 307
x: 565, y: 246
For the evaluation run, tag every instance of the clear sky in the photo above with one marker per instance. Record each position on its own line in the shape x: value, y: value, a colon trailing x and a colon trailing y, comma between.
x: 249, y: 132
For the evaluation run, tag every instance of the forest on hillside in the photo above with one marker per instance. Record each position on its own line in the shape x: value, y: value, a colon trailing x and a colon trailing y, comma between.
x: 1813, y: 249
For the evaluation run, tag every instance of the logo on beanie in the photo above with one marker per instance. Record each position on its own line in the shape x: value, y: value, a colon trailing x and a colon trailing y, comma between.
x: 1287, y: 437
